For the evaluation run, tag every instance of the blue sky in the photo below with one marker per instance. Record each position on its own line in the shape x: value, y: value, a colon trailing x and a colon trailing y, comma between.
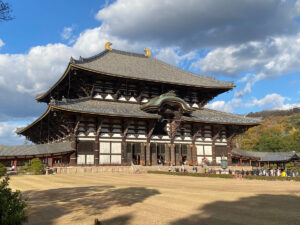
x: 254, y: 43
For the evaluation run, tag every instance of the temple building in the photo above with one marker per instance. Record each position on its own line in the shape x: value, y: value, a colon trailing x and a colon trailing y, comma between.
x: 119, y: 108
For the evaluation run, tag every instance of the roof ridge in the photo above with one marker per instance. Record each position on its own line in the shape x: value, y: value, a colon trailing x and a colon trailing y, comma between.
x: 99, y: 55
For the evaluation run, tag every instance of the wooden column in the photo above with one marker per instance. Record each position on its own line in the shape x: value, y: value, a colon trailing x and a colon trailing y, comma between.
x: 154, y: 155
x: 167, y: 154
x: 231, y: 132
x: 213, y: 147
x: 189, y: 154
x: 143, y: 154
x: 241, y: 161
x: 148, y: 155
x: 73, y: 157
x: 151, y: 126
x: 195, y: 132
x: 126, y: 125
x: 15, y: 164
x: 174, y: 126
x: 215, y: 132
x: 229, y: 143
x: 173, y: 155
x: 97, y: 143
x: 51, y: 162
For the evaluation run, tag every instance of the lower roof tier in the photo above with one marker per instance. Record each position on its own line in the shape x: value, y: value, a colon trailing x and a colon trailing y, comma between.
x: 31, y: 151
x: 127, y: 110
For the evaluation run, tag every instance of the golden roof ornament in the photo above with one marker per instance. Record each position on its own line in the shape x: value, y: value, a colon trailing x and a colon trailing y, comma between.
x: 107, y: 46
x: 147, y: 52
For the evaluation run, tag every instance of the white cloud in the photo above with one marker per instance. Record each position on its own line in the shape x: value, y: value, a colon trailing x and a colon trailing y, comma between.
x: 270, y: 58
x: 173, y: 56
x: 8, y: 135
x: 220, y: 106
x: 67, y: 33
x: 196, y: 24
x: 273, y: 101
x: 1, y: 43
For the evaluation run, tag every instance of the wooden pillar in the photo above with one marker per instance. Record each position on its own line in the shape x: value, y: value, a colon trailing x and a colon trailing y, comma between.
x: 195, y: 132
x: 96, y: 151
x: 148, y: 155
x: 229, y: 159
x: 51, y: 162
x: 154, y: 155
x: 194, y: 155
x: 173, y: 161
x: 213, y: 152
x: 73, y: 157
x: 215, y: 132
x: 124, y: 153
x: 259, y: 164
x: 143, y: 154
x: 167, y: 154
x: 15, y: 164
x: 241, y: 161
x: 250, y: 162
x: 151, y: 126
x: 97, y: 143
x: 189, y: 155
x: 124, y: 156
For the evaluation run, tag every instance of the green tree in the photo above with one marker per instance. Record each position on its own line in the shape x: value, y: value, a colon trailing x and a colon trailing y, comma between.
x: 36, y: 166
x: 2, y: 170
x: 270, y: 144
x: 13, y: 208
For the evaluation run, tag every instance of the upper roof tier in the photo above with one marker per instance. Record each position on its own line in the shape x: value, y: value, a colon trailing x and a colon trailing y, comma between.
x: 135, y: 66
x: 139, y: 66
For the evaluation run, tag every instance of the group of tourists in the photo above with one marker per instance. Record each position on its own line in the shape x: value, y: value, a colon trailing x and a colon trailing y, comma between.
x: 267, y: 172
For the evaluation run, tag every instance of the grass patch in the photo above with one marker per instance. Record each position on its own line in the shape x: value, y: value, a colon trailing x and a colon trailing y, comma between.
x: 226, y: 176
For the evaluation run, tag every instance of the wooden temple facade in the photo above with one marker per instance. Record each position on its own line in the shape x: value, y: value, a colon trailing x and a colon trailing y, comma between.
x: 118, y: 108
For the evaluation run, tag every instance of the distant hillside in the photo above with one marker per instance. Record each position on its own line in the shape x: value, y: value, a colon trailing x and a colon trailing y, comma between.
x: 267, y: 113
x: 280, y: 131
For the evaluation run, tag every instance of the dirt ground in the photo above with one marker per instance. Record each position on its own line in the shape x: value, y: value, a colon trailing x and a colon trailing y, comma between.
x: 158, y: 199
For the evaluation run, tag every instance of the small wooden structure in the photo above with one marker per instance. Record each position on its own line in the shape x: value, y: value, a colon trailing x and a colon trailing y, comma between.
x: 251, y: 158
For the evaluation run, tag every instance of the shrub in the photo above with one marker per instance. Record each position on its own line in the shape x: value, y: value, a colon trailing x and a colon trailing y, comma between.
x: 13, y: 209
x: 36, y: 166
x: 2, y: 170
x: 24, y: 169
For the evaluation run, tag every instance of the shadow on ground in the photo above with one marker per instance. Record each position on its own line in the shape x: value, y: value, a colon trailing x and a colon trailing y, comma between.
x: 256, y: 210
x: 83, y: 202
x: 118, y: 220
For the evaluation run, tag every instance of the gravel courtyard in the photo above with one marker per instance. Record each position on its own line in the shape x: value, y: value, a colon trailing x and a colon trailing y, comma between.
x: 158, y: 199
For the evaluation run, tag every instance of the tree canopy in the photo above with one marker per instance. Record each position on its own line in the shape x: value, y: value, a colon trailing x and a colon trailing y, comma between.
x: 5, y: 11
x: 277, y: 133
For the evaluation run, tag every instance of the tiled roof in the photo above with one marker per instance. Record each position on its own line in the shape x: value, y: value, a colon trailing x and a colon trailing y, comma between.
x: 267, y: 156
x: 35, y: 150
x: 131, y: 110
x: 105, y: 108
x: 134, y: 110
x: 139, y: 66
